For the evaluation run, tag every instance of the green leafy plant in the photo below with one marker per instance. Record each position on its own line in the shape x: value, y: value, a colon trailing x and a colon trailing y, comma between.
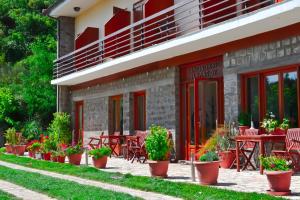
x: 269, y: 123
x: 157, y: 143
x: 59, y: 128
x: 74, y: 150
x: 285, y: 124
x: 32, y: 130
x: 11, y: 136
x: 34, y: 147
x: 274, y: 163
x: 244, y: 119
x: 2, y: 150
x: 209, y: 156
x: 49, y: 145
x: 99, y: 153
x: 210, y: 145
x: 223, y: 142
x: 58, y: 153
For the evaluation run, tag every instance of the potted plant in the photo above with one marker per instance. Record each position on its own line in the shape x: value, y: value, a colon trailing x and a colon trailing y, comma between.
x: 158, y: 148
x: 244, y: 120
x: 279, y: 173
x: 20, y: 147
x: 74, y: 154
x: 271, y: 125
x: 99, y: 156
x: 208, y: 168
x: 11, y: 139
x: 48, y: 146
x: 34, y: 148
x: 226, y: 155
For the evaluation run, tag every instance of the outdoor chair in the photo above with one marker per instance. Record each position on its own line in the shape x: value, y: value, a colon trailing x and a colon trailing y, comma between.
x: 292, y: 148
x: 136, y: 147
x: 114, y: 143
x: 95, y: 142
x: 247, y: 149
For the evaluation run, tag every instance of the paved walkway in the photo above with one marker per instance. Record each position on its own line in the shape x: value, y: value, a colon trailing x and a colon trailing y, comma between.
x: 21, y: 192
x: 244, y: 181
x: 116, y: 188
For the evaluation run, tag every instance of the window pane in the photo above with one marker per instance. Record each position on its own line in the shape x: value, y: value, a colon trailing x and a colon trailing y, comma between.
x: 192, y: 115
x: 140, y: 103
x: 117, y: 114
x: 272, y: 95
x: 290, y: 97
x: 252, y: 100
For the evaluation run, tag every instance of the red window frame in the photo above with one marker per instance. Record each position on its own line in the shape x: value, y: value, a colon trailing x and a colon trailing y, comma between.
x: 116, y: 98
x: 262, y: 92
x: 136, y: 113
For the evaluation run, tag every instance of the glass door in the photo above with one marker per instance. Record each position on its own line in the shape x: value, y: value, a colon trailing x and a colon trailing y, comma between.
x: 202, y: 113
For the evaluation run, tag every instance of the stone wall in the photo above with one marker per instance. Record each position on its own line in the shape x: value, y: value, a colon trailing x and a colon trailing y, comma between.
x: 162, y: 101
x: 275, y: 54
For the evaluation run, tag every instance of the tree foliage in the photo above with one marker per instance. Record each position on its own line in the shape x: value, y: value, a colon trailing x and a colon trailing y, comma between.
x: 27, y: 49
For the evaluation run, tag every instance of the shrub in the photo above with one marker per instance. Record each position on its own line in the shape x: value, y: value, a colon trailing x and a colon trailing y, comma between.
x: 210, y: 156
x: 274, y: 163
x: 34, y: 147
x: 32, y: 130
x: 11, y: 136
x: 157, y: 143
x: 2, y: 150
x: 74, y: 150
x: 59, y: 128
x: 99, y: 153
x: 49, y: 145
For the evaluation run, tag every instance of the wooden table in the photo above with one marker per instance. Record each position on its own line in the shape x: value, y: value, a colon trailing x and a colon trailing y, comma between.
x: 261, y: 140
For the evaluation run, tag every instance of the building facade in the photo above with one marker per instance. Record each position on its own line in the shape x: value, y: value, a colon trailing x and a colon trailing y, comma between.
x: 188, y: 65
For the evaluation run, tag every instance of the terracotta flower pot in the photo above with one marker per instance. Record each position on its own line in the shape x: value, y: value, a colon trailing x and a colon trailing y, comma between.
x: 279, y: 182
x: 208, y: 172
x: 47, y: 156
x: 158, y: 168
x: 31, y: 154
x: 100, y: 162
x: 8, y: 148
x: 227, y: 158
x: 75, y: 159
x: 19, y: 150
x: 61, y: 159
x: 54, y: 158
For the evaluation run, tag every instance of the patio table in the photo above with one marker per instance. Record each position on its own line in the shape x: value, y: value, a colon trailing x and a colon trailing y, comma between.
x: 112, y: 141
x: 261, y: 140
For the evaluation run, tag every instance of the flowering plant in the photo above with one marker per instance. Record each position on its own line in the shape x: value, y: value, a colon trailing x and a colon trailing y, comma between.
x: 274, y: 163
x: 269, y: 123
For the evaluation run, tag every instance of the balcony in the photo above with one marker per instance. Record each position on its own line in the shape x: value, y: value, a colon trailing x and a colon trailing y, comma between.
x: 180, y: 22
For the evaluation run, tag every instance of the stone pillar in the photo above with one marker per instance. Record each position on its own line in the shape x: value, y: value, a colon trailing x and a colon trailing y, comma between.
x: 66, y: 38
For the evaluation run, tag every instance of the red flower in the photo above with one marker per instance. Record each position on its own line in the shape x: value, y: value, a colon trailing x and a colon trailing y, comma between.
x: 273, y: 165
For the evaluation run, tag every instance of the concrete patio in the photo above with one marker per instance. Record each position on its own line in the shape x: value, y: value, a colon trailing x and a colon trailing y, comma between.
x: 244, y: 181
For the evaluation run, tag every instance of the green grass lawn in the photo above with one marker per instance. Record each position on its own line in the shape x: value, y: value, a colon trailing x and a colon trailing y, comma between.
x: 58, y: 188
x: 6, y: 196
x: 183, y: 190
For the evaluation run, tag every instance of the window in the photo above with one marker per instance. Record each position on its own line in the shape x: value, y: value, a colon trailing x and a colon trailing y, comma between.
x: 275, y: 91
x: 140, y: 111
x: 116, y: 114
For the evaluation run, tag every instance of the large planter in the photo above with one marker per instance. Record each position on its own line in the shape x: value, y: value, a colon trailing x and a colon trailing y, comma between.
x: 47, y: 156
x: 159, y: 168
x: 8, y: 148
x: 75, y: 159
x: 227, y: 158
x: 19, y: 150
x: 61, y: 159
x: 279, y: 182
x: 100, y: 162
x: 208, y: 172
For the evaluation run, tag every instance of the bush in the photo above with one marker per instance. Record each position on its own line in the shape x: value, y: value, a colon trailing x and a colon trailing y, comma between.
x: 274, y: 163
x: 32, y: 130
x: 157, y: 143
x: 59, y: 129
x: 11, y: 136
x: 99, y: 153
x: 210, y: 156
x: 49, y: 145
x: 74, y: 150
x: 34, y: 147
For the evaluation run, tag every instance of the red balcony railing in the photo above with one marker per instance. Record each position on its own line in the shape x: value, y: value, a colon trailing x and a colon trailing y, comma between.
x: 176, y: 21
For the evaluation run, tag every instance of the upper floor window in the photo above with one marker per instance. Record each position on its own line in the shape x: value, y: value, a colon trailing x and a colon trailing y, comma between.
x: 140, y: 111
x: 275, y: 91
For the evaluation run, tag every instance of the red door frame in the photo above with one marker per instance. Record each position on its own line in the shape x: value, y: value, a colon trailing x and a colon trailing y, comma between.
x: 136, y: 117
x: 117, y: 98
x: 79, y: 104
x: 262, y: 96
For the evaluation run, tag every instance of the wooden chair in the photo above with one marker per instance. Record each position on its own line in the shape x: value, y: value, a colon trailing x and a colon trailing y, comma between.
x: 292, y: 148
x: 136, y: 147
x: 114, y: 143
x: 95, y: 142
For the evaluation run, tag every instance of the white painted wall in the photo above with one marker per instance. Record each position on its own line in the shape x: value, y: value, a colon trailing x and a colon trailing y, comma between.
x: 99, y: 14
